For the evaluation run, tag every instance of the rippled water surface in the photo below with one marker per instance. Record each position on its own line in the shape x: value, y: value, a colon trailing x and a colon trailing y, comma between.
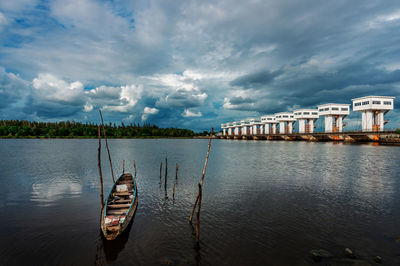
x: 264, y: 203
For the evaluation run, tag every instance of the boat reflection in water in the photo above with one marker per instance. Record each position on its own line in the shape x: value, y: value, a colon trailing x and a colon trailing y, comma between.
x: 108, y: 250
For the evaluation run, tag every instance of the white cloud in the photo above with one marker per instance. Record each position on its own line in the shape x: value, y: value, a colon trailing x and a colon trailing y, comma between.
x: 149, y: 111
x: 128, y: 98
x: 51, y: 95
x: 51, y: 88
x: 190, y: 74
x: 54, y: 97
x: 3, y: 21
x: 387, y: 18
x: 105, y: 92
x: 129, y: 118
x: 186, y: 81
x: 87, y: 15
x: 188, y: 113
x: 88, y: 107
x: 179, y: 90
x: 241, y: 99
x: 17, y: 5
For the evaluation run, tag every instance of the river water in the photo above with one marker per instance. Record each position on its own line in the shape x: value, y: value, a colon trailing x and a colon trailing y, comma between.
x: 264, y: 202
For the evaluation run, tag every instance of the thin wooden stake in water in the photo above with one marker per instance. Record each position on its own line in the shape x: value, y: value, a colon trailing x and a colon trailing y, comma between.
x: 166, y: 174
x: 108, y: 150
x: 202, y: 177
x: 99, y: 164
x: 134, y: 167
x: 160, y: 171
x: 173, y: 192
x: 194, y: 208
x: 176, y: 171
x: 198, y: 215
x: 208, y: 154
x: 123, y: 166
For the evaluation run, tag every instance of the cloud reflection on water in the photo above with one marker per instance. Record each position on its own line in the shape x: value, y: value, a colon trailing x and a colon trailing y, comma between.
x: 48, y: 192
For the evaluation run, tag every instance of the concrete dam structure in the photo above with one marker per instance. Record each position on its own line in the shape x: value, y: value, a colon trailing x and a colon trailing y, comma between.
x: 281, y: 126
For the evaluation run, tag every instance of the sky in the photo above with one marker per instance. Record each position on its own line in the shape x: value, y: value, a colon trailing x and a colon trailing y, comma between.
x: 194, y: 63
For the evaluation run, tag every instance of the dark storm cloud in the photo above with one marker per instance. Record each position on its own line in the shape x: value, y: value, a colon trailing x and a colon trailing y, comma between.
x: 310, y: 88
x: 240, y: 100
x: 255, y: 79
x: 11, y: 87
x: 345, y: 83
x: 47, y: 109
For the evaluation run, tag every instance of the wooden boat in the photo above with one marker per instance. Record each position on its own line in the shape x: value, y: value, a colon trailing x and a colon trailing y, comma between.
x: 120, y: 207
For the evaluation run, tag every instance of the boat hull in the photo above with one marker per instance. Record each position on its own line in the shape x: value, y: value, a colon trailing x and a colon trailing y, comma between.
x: 119, y: 229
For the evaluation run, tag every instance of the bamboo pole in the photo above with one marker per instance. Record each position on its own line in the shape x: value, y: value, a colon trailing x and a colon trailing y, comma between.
x: 176, y: 171
x: 198, y: 214
x: 123, y: 166
x: 194, y: 208
x: 99, y: 165
x: 160, y: 170
x: 166, y: 174
x: 173, y: 192
x: 134, y: 167
x: 208, y: 154
x: 202, y: 177
x: 108, y: 150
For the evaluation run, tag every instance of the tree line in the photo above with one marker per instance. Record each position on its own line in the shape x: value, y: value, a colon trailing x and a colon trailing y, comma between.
x: 65, y: 129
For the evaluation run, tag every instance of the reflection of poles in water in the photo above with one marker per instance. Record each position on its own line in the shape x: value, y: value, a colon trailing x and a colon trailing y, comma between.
x: 198, y: 198
x: 123, y: 166
x: 134, y: 167
x: 99, y: 165
x: 198, y: 215
x: 166, y: 174
x: 99, y: 256
x: 198, y: 254
x: 176, y: 171
x: 160, y: 170
x: 108, y: 150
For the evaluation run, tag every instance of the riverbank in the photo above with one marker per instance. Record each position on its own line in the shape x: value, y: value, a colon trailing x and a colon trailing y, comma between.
x: 72, y: 129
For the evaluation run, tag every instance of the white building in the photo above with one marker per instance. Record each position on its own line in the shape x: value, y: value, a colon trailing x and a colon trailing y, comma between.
x: 245, y: 123
x: 306, y: 118
x: 334, y: 114
x: 237, y: 128
x: 255, y: 126
x: 373, y: 109
x: 269, y: 124
x: 224, y: 128
x: 230, y: 128
x: 286, y: 121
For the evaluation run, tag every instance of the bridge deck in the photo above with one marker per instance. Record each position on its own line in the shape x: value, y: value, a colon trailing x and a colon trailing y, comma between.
x: 386, y: 137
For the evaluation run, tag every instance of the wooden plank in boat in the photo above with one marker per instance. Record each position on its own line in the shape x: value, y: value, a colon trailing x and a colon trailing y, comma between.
x: 117, y: 212
x: 122, y: 201
x: 118, y: 206
x: 126, y: 182
x: 123, y: 193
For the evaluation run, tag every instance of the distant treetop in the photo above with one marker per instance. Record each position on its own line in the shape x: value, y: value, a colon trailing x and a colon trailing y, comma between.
x: 23, y: 128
